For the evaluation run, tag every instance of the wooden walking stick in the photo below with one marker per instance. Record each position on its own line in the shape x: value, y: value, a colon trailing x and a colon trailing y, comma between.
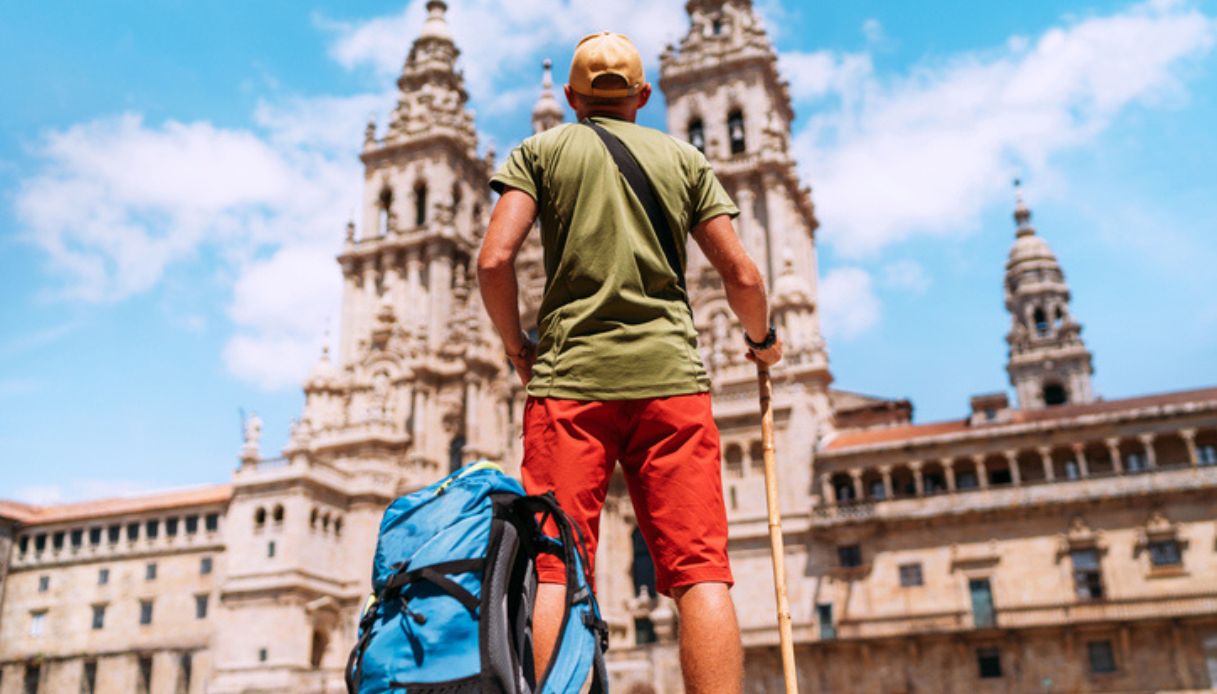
x: 775, y: 529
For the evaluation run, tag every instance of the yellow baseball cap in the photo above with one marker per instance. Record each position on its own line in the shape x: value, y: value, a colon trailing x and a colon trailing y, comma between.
x: 606, y: 53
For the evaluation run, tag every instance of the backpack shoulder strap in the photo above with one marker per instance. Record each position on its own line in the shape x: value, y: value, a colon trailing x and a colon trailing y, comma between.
x: 641, y: 185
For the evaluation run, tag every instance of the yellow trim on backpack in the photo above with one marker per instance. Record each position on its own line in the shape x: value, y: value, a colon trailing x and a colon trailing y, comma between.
x: 480, y: 465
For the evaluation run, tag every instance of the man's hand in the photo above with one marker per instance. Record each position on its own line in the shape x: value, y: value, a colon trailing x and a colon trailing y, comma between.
x: 522, y: 358
x: 766, y: 357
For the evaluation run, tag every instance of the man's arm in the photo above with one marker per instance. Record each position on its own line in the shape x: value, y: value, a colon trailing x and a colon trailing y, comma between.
x: 741, y: 279
x: 509, y: 224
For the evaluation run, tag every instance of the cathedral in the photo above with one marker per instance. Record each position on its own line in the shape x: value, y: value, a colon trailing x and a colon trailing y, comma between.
x: 1056, y: 542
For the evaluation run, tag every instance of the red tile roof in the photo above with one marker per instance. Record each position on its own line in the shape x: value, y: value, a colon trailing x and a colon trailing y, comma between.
x: 848, y: 439
x: 39, y: 515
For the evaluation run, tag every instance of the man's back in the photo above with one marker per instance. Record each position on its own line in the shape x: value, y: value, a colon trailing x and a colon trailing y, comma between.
x: 614, y: 323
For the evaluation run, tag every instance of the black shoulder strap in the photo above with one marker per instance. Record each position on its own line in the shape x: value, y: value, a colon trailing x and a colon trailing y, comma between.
x: 636, y: 177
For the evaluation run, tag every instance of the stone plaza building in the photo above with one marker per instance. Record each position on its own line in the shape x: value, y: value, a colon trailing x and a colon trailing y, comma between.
x: 1057, y: 543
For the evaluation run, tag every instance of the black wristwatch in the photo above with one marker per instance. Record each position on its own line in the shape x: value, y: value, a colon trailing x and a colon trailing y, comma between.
x: 770, y: 339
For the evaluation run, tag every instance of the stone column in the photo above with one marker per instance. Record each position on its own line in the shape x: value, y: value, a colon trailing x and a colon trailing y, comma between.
x: 1189, y: 440
x: 420, y: 421
x: 749, y: 227
x: 1151, y: 458
x: 1079, y: 453
x: 982, y: 472
x: 439, y: 276
x: 948, y: 470
x: 350, y: 310
x: 1113, y: 450
x: 1016, y: 475
x: 776, y: 204
x: 830, y: 494
x: 1046, y: 460
x: 394, y: 287
x: 886, y: 471
x: 918, y: 477
x: 856, y: 477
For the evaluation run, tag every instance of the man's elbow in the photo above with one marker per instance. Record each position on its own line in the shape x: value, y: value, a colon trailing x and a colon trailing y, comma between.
x: 744, y: 277
x: 492, y: 261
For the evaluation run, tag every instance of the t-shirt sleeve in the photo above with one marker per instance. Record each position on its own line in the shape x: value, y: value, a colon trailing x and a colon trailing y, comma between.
x: 519, y: 171
x: 710, y: 199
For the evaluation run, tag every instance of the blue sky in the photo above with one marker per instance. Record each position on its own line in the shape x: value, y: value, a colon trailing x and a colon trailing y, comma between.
x: 174, y: 178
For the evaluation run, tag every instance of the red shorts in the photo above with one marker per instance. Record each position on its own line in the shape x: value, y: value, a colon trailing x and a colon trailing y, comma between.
x: 669, y: 451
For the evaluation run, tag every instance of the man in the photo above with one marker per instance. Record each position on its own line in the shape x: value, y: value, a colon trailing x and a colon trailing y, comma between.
x: 615, y: 375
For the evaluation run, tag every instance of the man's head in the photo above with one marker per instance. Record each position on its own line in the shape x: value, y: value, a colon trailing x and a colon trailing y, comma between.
x: 606, y: 78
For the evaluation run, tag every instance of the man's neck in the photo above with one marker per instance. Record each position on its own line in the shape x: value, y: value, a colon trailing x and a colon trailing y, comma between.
x: 615, y: 115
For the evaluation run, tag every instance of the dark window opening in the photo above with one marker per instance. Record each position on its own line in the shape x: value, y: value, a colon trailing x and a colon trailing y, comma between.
x: 1165, y: 553
x: 103, y: 577
x: 456, y: 452
x: 99, y: 616
x: 420, y: 204
x: 321, y: 642
x: 152, y: 529
x: 259, y: 517
x: 94, y: 536
x: 171, y: 526
x: 144, y: 683
x: 982, y: 602
x: 1102, y: 657
x: 277, y: 514
x: 1055, y: 394
x: 44, y: 584
x: 262, y: 655
x: 150, y: 571
x: 988, y: 661
x: 1001, y: 476
x: 1206, y: 455
x: 192, y: 525
x: 849, y: 556
x: 910, y: 575
x: 88, y: 682
x: 844, y: 489
x: 185, y: 671
x: 1087, y: 574
x: 77, y: 537
x: 200, y: 607
x: 383, y: 210
x: 644, y: 631
x: 697, y: 135
x: 113, y: 534
x: 735, y: 131
x: 824, y: 617
x: 204, y: 566
x: 212, y: 522
x: 1060, y: 316
x: 1041, y: 321
x: 24, y: 544
x: 57, y: 541
x: 39, y: 542
x: 1135, y: 462
x: 145, y: 612
x: 33, y: 678
x: 716, y: 26
x: 132, y: 532
x: 935, y: 483
x: 642, y: 568
x: 270, y: 549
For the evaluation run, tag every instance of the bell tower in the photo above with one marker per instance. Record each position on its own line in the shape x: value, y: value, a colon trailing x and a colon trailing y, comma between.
x: 1048, y: 364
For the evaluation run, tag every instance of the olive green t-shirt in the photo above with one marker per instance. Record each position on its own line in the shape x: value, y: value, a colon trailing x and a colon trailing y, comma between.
x: 614, y: 323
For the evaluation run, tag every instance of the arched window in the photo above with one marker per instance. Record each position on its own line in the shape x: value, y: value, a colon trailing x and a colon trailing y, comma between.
x: 756, y: 453
x: 735, y: 131
x: 325, y: 522
x: 457, y: 196
x: 735, y: 461
x: 260, y: 517
x: 338, y: 526
x: 1055, y: 394
x: 420, y: 204
x: 716, y: 27
x: 317, y: 653
x: 697, y: 135
x: 642, y: 570
x: 385, y: 206
x: 456, y: 452
x: 1041, y: 321
x: 277, y: 514
x: 1060, y: 316
x: 312, y: 519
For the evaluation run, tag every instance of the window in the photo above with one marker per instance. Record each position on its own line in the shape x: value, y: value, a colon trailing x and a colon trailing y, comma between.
x: 171, y: 526
x: 112, y: 534
x: 337, y: 526
x: 321, y: 641
x: 132, y: 531
x: 37, y: 622
x: 88, y: 680
x: 910, y: 575
x: 144, y: 683
x: 1041, y: 321
x: 849, y: 556
x: 24, y: 544
x: 262, y: 655
x: 103, y: 577
x: 1165, y: 553
x: 39, y: 542
x: 1206, y: 455
x: 966, y: 480
x: 145, y: 612
x: 1135, y: 462
x: 644, y: 631
x: 78, y: 537
x: 697, y: 135
x: 212, y: 522
x: 192, y: 525
x: 57, y: 541
x: 1087, y: 574
x: 277, y: 515
x: 204, y: 566
x: 1055, y: 394
x: 95, y: 536
x: 259, y: 517
x: 456, y: 452
x: 642, y: 569
x: 420, y: 204
x: 99, y: 616
x: 33, y: 678
x: 152, y: 529
x: 988, y: 661
x: 824, y: 616
x: 982, y: 602
x: 877, y: 492
x: 185, y: 668
x: 270, y: 549
x: 200, y: 607
x: 735, y: 131
x: 1102, y: 657
x: 44, y: 584
x: 384, y: 210
x: 150, y: 571
x: 1000, y: 476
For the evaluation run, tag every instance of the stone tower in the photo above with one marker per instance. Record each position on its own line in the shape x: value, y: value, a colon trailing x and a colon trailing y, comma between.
x: 547, y: 112
x: 1049, y: 364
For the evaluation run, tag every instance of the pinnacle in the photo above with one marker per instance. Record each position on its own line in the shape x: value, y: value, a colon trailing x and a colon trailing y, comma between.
x: 436, y: 26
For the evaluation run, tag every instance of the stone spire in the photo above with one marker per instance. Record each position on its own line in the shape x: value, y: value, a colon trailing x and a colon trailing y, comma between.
x: 547, y: 112
x: 1048, y: 361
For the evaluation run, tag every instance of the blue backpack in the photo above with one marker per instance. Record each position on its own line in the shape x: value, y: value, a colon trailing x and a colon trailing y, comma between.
x: 453, y: 585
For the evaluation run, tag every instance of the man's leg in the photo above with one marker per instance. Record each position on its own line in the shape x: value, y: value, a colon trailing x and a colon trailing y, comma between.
x: 711, y: 659
x: 570, y: 448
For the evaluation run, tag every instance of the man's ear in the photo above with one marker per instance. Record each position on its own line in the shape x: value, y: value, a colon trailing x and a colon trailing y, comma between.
x: 644, y: 95
x: 570, y: 96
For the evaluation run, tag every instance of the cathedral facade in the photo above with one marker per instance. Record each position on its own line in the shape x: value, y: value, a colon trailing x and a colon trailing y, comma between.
x: 1057, y: 543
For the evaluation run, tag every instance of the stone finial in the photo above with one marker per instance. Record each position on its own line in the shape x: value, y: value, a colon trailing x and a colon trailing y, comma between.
x: 436, y: 26
x: 1022, y: 213
x: 252, y: 436
x: 369, y: 133
x: 547, y: 112
x: 350, y: 231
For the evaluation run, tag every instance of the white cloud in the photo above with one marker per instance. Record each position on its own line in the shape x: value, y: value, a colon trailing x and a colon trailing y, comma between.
x: 925, y: 153
x: 78, y: 490
x: 906, y: 275
x: 848, y: 305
